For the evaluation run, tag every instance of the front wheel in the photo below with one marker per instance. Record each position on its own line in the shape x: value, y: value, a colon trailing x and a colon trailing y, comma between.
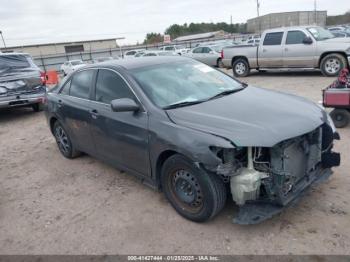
x: 241, y: 68
x: 340, y: 117
x: 194, y: 193
x: 332, y: 64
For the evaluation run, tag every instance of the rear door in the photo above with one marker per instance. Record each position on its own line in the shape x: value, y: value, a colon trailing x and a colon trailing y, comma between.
x: 120, y: 137
x: 197, y: 54
x: 296, y: 53
x: 209, y: 56
x: 74, y: 108
x: 270, y: 52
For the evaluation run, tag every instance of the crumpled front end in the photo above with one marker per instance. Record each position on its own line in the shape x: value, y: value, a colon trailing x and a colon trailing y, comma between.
x: 265, y: 180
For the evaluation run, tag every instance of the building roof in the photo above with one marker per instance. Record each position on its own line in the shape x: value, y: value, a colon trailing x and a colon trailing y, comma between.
x: 291, y: 12
x: 64, y: 43
x: 198, y: 36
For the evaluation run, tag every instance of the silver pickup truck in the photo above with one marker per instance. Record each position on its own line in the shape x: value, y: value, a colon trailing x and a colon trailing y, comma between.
x: 308, y: 47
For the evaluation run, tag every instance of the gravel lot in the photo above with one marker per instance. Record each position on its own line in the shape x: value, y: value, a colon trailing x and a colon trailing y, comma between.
x: 51, y: 205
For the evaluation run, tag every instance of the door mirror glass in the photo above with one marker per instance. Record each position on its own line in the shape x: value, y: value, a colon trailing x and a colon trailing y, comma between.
x: 307, y: 40
x: 124, y: 105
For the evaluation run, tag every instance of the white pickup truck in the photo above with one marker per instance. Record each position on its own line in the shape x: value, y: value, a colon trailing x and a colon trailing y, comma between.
x: 306, y: 47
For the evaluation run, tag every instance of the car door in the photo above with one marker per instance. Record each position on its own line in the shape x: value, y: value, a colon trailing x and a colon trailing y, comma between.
x: 74, y: 108
x: 270, y: 53
x: 197, y: 54
x: 296, y: 53
x: 209, y: 56
x: 120, y: 137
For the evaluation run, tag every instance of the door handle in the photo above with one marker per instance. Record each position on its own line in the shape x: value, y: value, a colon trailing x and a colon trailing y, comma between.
x: 264, y: 50
x: 94, y: 113
x: 60, y: 103
x: 286, y: 49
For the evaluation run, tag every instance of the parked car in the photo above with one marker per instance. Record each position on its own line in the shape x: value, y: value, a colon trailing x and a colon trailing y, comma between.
x: 254, y: 42
x: 158, y: 53
x: 210, y: 55
x: 338, y: 28
x: 192, y: 131
x: 134, y: 53
x: 341, y: 34
x: 72, y: 65
x: 293, y: 47
x: 178, y: 49
x: 22, y: 83
x: 103, y: 59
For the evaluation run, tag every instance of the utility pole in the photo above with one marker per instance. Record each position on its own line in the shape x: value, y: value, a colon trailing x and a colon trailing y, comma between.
x: 258, y: 12
x: 3, y: 40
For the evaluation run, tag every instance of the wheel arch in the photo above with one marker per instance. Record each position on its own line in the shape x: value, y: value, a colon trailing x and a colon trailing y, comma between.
x: 52, y: 122
x: 235, y: 58
x: 162, y: 157
x: 343, y: 54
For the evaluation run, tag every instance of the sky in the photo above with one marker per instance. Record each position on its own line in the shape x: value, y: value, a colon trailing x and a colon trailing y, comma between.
x: 25, y: 22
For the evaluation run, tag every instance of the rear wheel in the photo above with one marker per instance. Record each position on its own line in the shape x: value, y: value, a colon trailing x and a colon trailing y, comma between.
x: 63, y: 141
x: 332, y: 64
x: 240, y: 68
x: 195, y: 194
x: 38, y: 107
x: 341, y: 117
x: 219, y: 63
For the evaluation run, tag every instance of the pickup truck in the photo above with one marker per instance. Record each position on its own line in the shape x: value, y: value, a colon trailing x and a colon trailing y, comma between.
x: 306, y: 47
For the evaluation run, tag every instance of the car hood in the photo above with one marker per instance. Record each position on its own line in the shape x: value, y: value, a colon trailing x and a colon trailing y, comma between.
x: 252, y: 117
x: 337, y: 40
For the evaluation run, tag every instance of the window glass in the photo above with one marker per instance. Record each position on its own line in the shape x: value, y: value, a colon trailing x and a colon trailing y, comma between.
x: 273, y: 38
x: 206, y: 50
x: 295, y: 37
x: 81, y: 83
x: 169, y: 48
x: 198, y: 50
x: 13, y: 61
x: 110, y: 86
x: 65, y: 88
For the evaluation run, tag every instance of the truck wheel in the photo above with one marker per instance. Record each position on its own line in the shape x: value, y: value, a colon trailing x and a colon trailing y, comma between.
x: 341, y: 117
x: 38, y: 107
x: 240, y: 68
x: 332, y: 64
x: 195, y: 194
x: 63, y: 142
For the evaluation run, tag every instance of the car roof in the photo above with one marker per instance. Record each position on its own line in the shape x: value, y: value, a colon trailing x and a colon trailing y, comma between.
x: 144, y: 62
x: 279, y: 29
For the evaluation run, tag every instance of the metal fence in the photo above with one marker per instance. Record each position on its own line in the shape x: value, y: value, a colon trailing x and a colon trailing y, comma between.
x: 54, y: 62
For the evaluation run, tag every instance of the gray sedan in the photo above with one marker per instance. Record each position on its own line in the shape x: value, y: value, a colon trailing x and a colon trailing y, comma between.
x: 194, y: 132
x: 210, y: 54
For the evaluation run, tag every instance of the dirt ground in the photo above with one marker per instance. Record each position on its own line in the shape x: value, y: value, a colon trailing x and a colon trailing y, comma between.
x: 51, y: 205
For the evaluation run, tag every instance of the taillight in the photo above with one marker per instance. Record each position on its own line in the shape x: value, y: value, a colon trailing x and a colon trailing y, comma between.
x: 222, y: 54
x: 43, y: 77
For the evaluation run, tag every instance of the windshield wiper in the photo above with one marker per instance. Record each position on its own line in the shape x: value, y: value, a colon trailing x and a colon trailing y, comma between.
x: 228, y: 92
x: 182, y: 104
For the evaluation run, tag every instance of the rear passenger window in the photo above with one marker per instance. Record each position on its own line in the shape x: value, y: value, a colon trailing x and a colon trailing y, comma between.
x: 273, y: 38
x: 295, y: 37
x: 65, y: 88
x: 110, y: 86
x: 81, y: 83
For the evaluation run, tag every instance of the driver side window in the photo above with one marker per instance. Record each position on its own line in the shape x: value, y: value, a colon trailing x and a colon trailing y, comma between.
x: 110, y: 86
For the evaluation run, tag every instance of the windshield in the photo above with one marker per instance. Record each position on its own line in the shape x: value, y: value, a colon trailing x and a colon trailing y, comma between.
x: 189, y: 81
x: 320, y: 33
x: 76, y: 62
x: 13, y: 61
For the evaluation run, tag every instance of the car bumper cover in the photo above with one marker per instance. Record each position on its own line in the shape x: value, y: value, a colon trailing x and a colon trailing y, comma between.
x: 22, y: 100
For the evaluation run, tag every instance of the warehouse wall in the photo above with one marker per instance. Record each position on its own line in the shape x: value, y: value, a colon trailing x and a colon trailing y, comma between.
x: 52, y: 49
x: 286, y: 19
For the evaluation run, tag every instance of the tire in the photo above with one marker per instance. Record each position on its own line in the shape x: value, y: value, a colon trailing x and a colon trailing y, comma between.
x: 194, y: 193
x: 340, y: 117
x: 219, y: 63
x: 64, y: 142
x: 38, y: 107
x: 241, y: 68
x: 332, y: 64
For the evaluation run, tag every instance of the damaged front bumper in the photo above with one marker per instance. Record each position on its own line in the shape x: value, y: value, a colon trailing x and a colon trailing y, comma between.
x: 254, y: 212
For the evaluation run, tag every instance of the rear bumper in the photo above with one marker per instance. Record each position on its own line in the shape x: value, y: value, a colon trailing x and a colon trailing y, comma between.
x: 22, y: 99
x: 255, y: 212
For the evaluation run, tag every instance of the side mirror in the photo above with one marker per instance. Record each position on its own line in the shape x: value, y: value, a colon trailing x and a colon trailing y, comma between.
x: 124, y: 105
x: 307, y: 40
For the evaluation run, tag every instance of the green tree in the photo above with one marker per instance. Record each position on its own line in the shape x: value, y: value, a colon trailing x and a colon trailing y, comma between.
x: 153, y: 38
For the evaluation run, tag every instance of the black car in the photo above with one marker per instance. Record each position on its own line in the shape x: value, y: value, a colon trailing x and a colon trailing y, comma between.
x: 194, y: 132
x: 22, y: 83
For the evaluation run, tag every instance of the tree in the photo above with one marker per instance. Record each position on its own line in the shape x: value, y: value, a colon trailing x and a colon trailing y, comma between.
x: 153, y: 38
